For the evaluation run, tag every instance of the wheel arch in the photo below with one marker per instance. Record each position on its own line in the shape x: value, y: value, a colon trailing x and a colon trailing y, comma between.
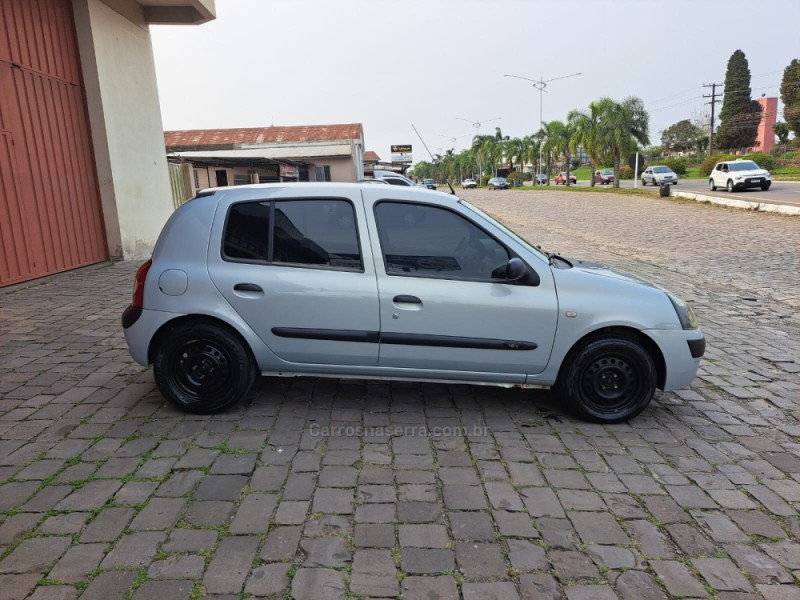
x: 629, y: 333
x: 196, y: 318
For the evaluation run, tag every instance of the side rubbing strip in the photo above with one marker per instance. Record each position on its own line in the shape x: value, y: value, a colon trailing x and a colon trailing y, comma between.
x: 336, y: 335
x: 447, y: 341
x: 401, y: 339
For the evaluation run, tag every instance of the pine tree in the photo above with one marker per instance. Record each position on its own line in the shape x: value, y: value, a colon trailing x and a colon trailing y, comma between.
x: 790, y: 94
x: 740, y: 115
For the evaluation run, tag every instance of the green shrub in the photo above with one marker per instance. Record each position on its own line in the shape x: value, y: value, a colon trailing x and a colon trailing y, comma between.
x: 765, y: 161
x: 626, y: 172
x: 678, y: 165
x: 485, y: 179
x: 708, y: 164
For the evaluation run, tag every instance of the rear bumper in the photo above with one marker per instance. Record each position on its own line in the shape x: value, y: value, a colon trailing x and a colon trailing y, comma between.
x: 140, y: 332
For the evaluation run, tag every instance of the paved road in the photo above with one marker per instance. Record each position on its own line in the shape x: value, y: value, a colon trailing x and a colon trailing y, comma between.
x: 781, y: 192
x: 322, y: 489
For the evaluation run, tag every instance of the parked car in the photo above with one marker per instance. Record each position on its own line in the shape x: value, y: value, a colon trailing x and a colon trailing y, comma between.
x: 604, y: 176
x: 397, y: 179
x: 659, y: 175
x: 540, y: 179
x: 429, y: 183
x: 469, y: 183
x: 739, y: 174
x: 350, y: 280
x: 562, y: 178
x: 497, y: 183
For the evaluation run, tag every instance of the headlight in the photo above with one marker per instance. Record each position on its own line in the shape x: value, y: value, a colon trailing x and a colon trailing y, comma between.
x: 685, y: 313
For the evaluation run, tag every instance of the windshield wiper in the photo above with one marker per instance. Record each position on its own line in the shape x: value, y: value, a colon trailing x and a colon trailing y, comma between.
x: 555, y: 256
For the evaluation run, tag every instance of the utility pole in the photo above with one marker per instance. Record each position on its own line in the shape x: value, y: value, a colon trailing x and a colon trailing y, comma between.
x: 713, y: 95
x: 540, y: 84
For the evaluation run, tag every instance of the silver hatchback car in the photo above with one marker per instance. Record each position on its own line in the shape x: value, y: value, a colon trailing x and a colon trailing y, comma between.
x: 389, y: 282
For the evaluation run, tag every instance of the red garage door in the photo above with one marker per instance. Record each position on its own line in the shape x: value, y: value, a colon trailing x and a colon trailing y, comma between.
x: 50, y: 214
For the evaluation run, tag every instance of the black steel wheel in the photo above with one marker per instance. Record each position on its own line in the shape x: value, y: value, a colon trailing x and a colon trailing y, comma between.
x: 203, y: 367
x: 608, y: 380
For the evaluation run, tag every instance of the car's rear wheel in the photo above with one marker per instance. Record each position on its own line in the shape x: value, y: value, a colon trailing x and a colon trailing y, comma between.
x: 730, y: 187
x: 711, y: 185
x: 202, y: 367
x: 608, y: 379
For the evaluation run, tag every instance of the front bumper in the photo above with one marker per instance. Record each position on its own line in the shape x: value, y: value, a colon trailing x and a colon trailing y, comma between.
x: 750, y: 183
x: 683, y: 350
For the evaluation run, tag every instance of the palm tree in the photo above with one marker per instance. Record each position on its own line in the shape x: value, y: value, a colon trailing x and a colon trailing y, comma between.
x: 559, y: 136
x: 588, y: 131
x: 624, y: 124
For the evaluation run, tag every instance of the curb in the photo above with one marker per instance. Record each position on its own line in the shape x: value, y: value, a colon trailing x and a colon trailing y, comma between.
x: 780, y: 209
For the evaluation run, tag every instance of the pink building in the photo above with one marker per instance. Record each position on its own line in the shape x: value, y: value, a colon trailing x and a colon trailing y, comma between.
x: 766, y: 129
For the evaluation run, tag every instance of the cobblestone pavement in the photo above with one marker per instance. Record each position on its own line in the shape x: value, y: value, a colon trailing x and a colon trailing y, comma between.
x: 317, y: 489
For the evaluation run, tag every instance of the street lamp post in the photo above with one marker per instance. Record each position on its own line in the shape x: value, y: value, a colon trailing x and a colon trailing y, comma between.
x: 477, y: 125
x: 540, y: 84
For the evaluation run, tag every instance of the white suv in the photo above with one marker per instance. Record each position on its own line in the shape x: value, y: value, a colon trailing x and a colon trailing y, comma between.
x: 739, y: 174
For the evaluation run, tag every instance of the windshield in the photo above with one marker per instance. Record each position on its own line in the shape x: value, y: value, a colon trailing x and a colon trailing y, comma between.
x: 505, y: 229
x: 743, y: 165
x: 428, y: 180
x: 607, y: 172
x: 662, y: 170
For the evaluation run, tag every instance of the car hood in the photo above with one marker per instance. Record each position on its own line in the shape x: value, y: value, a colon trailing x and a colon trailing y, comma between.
x: 594, y: 269
x: 750, y: 173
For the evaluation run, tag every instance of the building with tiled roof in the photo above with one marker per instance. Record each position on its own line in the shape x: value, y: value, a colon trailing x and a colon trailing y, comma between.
x: 220, y: 157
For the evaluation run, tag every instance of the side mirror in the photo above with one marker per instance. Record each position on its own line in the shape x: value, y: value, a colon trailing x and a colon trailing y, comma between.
x: 518, y: 272
x: 515, y: 269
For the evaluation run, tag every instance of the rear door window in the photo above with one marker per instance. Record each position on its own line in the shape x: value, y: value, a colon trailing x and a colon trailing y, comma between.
x: 320, y: 233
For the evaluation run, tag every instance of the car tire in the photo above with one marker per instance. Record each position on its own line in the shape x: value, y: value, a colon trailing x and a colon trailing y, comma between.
x: 644, y: 183
x: 608, y: 380
x: 202, y: 367
x: 765, y: 186
x: 730, y: 187
x: 711, y: 185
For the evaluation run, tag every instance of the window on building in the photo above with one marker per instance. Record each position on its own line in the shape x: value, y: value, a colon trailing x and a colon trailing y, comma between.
x: 322, y: 173
x: 241, y: 179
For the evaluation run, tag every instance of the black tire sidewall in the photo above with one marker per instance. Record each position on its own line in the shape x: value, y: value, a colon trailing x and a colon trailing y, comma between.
x: 241, y: 378
x: 637, y: 357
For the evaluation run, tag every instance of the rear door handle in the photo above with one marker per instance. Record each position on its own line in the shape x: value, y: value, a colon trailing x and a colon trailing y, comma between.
x: 405, y: 299
x: 247, y: 287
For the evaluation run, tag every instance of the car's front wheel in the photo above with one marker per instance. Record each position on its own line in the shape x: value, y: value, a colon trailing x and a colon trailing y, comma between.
x: 202, y: 367
x: 608, y: 379
x: 765, y: 186
x: 730, y: 187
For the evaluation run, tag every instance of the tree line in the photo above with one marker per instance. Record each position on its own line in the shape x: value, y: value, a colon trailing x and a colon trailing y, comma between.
x: 609, y: 130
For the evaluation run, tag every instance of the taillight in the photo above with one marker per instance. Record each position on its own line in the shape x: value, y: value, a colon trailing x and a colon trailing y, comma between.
x: 138, y: 285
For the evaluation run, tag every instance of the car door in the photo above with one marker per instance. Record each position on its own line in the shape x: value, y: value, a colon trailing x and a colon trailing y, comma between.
x: 295, y: 270
x: 444, y: 301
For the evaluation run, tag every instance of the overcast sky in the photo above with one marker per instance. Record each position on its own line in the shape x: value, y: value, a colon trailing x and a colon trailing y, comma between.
x: 388, y: 64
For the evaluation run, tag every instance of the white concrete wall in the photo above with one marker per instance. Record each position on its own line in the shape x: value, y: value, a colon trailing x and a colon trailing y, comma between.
x: 125, y: 119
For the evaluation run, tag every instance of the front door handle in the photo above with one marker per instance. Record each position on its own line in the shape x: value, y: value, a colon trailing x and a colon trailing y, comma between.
x: 405, y: 299
x: 247, y: 287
